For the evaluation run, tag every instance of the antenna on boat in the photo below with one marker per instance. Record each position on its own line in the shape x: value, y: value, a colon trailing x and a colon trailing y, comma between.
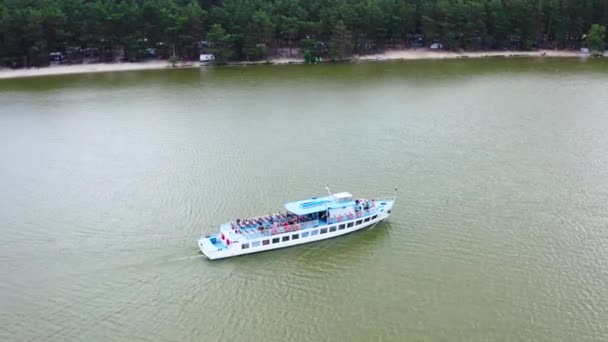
x: 395, y: 196
x: 328, y: 191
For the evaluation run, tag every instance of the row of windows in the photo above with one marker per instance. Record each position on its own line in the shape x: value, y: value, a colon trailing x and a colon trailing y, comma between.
x: 306, y: 234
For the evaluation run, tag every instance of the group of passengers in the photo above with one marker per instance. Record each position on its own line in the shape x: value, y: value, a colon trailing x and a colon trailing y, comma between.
x: 272, y: 220
x: 363, y: 204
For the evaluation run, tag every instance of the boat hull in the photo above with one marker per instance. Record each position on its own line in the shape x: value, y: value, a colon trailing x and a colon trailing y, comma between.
x: 213, y: 253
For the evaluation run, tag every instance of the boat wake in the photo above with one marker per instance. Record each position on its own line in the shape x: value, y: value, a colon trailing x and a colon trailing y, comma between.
x: 187, y: 257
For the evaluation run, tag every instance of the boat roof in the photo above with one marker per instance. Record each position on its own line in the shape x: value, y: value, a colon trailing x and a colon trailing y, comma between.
x: 316, y: 204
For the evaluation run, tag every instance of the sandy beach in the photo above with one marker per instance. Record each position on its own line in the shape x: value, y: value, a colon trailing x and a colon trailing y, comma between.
x: 81, y: 68
x: 6, y: 73
x: 433, y: 54
x: 408, y: 54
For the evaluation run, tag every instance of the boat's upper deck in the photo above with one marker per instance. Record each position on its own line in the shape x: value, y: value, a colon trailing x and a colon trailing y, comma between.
x: 317, y: 204
x: 273, y: 224
x: 340, y: 209
x: 281, y: 223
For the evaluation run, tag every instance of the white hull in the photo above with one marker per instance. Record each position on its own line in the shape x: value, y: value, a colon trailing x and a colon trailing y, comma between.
x: 212, y: 253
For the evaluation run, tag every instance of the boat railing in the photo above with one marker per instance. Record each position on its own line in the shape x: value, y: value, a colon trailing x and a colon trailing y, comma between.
x: 280, y: 229
x: 283, y: 228
x: 251, y: 223
x: 353, y: 215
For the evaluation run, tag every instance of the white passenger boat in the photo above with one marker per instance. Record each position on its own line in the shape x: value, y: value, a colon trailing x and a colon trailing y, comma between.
x: 309, y: 220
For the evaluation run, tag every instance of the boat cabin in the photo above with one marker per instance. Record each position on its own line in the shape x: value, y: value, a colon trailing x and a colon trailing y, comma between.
x: 330, y: 209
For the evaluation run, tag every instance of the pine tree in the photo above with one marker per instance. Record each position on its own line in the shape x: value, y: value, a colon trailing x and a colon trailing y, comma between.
x: 341, y: 42
x: 222, y: 49
x: 595, y: 38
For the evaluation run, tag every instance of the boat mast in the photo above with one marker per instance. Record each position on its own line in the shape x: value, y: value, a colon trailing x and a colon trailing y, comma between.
x: 327, y: 203
x: 327, y: 188
x: 395, y: 196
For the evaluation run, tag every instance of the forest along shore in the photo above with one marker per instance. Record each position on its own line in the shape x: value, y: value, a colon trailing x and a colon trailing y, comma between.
x: 407, y: 54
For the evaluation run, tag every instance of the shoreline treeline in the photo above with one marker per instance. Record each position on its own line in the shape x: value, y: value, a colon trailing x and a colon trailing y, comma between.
x: 104, y: 30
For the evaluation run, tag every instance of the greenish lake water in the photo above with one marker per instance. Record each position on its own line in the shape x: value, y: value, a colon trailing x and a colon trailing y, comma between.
x: 500, y: 231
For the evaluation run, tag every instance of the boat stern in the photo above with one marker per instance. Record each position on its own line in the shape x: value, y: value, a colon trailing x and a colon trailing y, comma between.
x: 211, y: 246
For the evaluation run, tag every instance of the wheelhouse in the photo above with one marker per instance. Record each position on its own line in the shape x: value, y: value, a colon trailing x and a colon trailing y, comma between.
x: 330, y: 209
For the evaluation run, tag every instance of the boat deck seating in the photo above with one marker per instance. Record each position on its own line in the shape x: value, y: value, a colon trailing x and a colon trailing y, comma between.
x: 218, y: 243
x: 352, y: 216
x: 278, y: 229
x: 254, y: 233
x: 279, y: 223
x: 266, y: 222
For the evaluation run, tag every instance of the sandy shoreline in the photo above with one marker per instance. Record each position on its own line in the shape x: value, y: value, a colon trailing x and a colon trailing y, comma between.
x: 431, y: 54
x: 409, y: 54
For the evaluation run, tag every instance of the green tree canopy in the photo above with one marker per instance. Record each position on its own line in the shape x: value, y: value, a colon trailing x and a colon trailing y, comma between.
x: 108, y: 29
x: 221, y: 42
x: 341, y: 42
x: 595, y: 38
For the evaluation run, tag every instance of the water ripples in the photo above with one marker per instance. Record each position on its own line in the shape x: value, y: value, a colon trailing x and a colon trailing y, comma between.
x: 499, y: 229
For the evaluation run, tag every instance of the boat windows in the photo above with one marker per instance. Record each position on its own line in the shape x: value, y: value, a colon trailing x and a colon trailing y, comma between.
x: 276, y: 240
x: 374, y: 217
x: 255, y: 244
x: 314, y: 232
x: 245, y: 246
x: 324, y: 230
x: 305, y: 234
x: 342, y: 226
x: 366, y: 219
x: 285, y: 238
x: 295, y: 236
x: 389, y: 211
x: 351, y: 224
x: 332, y: 228
x: 265, y: 242
x: 359, y: 222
